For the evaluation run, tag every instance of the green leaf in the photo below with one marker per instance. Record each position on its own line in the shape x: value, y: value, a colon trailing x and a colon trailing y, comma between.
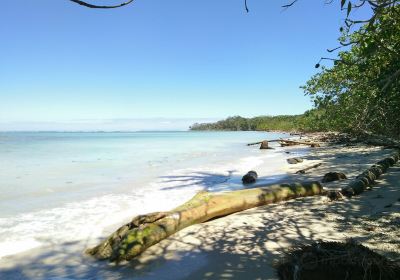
x: 348, y: 8
x: 342, y: 3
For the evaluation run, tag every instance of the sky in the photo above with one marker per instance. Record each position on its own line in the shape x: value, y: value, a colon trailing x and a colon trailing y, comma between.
x: 157, y: 62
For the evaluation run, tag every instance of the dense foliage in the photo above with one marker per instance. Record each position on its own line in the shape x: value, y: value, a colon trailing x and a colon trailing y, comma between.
x: 285, y: 123
x: 361, y: 92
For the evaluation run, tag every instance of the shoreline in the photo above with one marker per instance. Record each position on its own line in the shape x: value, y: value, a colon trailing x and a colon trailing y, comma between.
x: 249, y: 240
x: 181, y: 183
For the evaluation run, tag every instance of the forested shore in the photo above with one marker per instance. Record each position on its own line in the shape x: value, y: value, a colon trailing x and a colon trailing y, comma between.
x: 261, y: 123
x: 359, y: 93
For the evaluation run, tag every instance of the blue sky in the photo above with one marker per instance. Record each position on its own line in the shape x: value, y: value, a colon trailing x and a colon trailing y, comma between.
x: 158, y: 60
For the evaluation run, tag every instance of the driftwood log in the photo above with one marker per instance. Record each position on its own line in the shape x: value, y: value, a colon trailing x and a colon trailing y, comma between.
x: 303, y: 171
x: 146, y: 230
x: 255, y: 143
x: 260, y: 142
x: 294, y: 143
x: 284, y: 142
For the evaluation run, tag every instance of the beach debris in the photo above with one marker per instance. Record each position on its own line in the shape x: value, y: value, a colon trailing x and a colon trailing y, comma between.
x: 255, y: 143
x: 335, y: 261
x: 284, y: 143
x: 300, y: 134
x: 366, y: 179
x: 303, y: 171
x: 294, y: 160
x: 333, y: 176
x: 250, y: 177
x: 264, y: 145
x: 334, y: 195
x: 143, y: 231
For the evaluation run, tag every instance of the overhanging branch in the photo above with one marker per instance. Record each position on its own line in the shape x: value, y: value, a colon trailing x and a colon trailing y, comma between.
x: 82, y: 3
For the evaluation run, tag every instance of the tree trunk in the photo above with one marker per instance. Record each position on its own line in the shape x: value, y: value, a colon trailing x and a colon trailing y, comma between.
x: 146, y: 230
x: 264, y: 145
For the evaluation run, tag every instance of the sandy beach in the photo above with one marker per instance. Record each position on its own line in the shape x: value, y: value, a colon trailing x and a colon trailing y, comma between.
x: 246, y: 245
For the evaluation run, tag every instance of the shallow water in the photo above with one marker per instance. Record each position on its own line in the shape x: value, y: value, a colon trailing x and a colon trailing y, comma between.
x: 62, y: 187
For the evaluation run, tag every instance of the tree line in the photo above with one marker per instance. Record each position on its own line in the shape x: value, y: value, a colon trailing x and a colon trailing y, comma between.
x: 261, y: 123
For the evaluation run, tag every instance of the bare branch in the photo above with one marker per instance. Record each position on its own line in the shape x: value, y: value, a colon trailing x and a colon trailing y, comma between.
x: 289, y: 4
x: 245, y: 6
x: 101, y: 6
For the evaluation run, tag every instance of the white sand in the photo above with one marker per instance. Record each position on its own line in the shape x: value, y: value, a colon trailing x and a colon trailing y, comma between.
x: 244, y: 245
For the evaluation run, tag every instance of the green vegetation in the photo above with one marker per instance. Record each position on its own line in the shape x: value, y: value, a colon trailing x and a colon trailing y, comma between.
x: 361, y: 92
x: 285, y: 123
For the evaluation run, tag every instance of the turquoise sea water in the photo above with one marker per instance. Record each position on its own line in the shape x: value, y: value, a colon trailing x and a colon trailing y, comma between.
x: 58, y: 187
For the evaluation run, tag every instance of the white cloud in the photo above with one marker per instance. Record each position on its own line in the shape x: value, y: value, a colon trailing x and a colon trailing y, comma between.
x: 134, y: 124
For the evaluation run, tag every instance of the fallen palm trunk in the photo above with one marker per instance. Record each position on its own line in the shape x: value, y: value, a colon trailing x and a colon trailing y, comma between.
x: 144, y: 231
x: 303, y: 171
x: 366, y: 179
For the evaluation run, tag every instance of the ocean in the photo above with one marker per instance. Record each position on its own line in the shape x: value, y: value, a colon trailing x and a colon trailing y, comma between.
x: 59, y: 187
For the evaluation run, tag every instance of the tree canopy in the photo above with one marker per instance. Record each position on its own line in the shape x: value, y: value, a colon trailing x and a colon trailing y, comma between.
x: 361, y: 92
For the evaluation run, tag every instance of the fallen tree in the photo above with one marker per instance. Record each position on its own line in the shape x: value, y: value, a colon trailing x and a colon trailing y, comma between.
x: 293, y: 143
x: 260, y: 142
x: 146, y: 230
x: 366, y: 179
x: 284, y: 142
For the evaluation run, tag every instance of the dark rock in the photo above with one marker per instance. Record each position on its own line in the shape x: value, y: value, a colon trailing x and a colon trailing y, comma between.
x: 370, y: 228
x: 333, y: 176
x: 250, y: 177
x: 349, y: 192
x: 294, y: 160
x: 334, y: 195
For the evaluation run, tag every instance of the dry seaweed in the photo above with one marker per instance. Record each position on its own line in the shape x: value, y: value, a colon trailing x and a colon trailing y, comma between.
x: 336, y: 261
